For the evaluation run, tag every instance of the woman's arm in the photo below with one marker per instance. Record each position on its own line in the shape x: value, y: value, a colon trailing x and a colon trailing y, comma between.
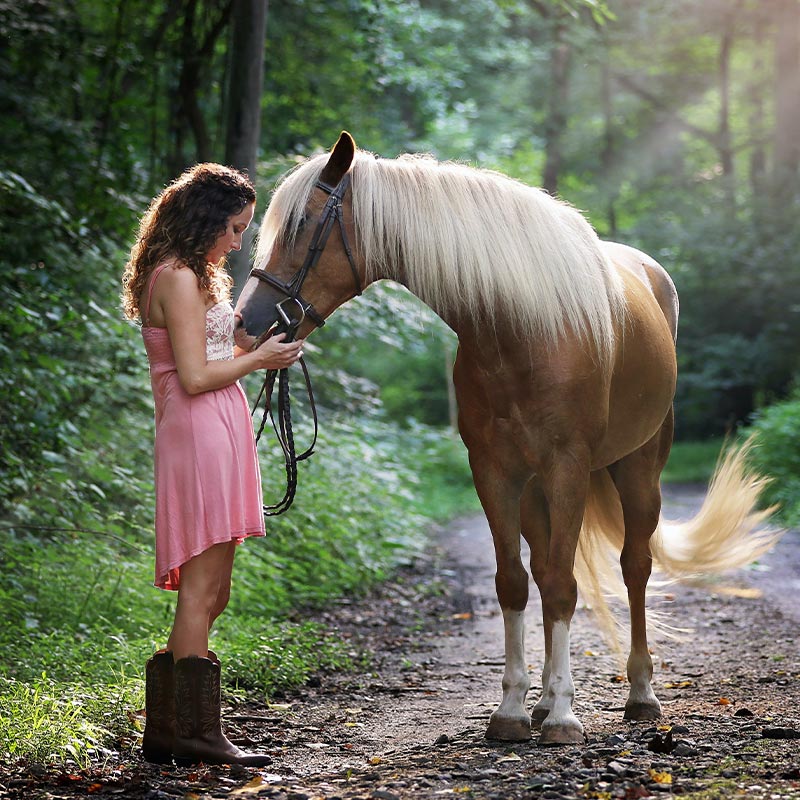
x: 179, y: 297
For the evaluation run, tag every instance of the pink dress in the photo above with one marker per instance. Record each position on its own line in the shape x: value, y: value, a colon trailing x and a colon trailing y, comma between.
x: 207, y: 480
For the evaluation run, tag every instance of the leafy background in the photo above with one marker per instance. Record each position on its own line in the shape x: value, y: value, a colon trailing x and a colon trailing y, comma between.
x: 674, y: 126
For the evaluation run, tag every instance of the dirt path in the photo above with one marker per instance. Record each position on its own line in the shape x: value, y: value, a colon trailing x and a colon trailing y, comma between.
x: 413, y: 727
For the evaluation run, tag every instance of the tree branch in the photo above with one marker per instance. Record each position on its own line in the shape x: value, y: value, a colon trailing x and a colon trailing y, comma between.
x: 56, y: 529
x: 656, y: 102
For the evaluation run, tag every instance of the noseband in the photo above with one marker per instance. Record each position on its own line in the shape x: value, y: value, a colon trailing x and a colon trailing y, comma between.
x: 331, y: 213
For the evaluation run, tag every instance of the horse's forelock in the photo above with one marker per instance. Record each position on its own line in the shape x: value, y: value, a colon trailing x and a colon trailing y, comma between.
x: 286, y: 210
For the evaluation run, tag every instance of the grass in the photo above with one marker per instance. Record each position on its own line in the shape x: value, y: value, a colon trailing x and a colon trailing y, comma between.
x: 692, y: 462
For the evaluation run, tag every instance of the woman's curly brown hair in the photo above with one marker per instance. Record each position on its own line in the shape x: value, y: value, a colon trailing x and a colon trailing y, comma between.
x: 183, y: 223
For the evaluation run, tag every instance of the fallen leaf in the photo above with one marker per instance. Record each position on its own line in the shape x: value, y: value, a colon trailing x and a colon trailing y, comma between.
x: 279, y: 706
x: 678, y: 685
x: 375, y: 760
x: 94, y: 787
x: 136, y: 719
x: 465, y: 615
x: 509, y: 757
x: 588, y: 653
x: 723, y: 701
x: 251, y: 786
x: 660, y: 777
x: 354, y: 724
x: 736, y: 591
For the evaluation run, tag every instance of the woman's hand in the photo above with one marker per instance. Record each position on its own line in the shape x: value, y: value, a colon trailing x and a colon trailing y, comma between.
x: 274, y: 353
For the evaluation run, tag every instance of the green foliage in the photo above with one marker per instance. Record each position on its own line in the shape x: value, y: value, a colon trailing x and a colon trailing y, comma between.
x: 777, y: 455
x: 692, y: 462
x: 285, y: 660
x: 46, y: 721
x: 397, y: 354
x: 99, y: 112
x: 738, y: 279
x: 440, y: 466
x: 70, y: 372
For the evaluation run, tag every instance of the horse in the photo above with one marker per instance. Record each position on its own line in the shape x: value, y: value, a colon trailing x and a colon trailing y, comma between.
x: 564, y: 376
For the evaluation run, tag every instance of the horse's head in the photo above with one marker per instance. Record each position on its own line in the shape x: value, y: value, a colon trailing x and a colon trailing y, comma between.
x: 304, y: 267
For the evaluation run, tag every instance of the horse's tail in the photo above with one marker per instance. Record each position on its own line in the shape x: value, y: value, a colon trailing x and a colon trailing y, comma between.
x: 727, y: 532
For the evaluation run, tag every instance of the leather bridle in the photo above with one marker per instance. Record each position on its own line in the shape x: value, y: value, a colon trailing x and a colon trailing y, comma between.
x: 331, y: 214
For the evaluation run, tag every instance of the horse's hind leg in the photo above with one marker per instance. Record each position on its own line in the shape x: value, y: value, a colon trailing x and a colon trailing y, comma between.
x: 637, y: 478
x: 510, y: 721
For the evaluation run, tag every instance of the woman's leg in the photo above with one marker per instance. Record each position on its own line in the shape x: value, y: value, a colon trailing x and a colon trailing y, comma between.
x: 224, y: 592
x: 202, y: 578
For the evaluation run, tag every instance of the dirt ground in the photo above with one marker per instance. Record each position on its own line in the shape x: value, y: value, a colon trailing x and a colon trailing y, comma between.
x: 413, y: 726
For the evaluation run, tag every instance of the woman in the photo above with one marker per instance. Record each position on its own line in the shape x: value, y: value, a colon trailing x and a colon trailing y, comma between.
x: 208, y: 487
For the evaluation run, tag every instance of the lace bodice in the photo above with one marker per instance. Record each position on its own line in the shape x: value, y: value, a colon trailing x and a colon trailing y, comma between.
x: 219, y: 332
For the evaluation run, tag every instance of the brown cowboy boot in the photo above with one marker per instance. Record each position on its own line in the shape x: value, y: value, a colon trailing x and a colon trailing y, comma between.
x: 159, y: 706
x: 198, y: 730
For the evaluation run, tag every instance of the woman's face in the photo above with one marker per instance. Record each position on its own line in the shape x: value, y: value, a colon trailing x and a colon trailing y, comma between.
x: 231, y: 239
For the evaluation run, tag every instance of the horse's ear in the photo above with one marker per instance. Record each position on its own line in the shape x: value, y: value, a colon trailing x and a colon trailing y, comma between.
x: 340, y: 159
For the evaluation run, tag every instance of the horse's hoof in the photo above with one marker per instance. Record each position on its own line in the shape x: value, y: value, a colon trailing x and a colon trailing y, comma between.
x: 509, y: 729
x: 562, y: 733
x: 642, y: 711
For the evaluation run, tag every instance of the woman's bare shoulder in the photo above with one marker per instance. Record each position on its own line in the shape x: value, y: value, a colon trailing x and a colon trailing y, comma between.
x: 177, y: 277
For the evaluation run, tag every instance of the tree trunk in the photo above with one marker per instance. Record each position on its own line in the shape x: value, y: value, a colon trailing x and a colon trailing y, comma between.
x: 725, y: 146
x: 756, y: 93
x: 607, y: 155
x: 196, y: 53
x: 787, y: 92
x: 557, y: 107
x: 244, y: 106
x: 724, y: 128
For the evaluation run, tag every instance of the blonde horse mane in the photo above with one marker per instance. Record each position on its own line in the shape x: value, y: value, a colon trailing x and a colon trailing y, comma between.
x: 467, y: 240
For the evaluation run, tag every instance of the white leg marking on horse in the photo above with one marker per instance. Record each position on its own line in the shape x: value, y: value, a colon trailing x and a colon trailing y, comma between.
x: 561, y: 725
x: 642, y: 701
x: 543, y: 704
x: 510, y: 721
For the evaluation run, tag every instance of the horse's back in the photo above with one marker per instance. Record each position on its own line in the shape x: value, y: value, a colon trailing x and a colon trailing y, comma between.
x: 651, y: 274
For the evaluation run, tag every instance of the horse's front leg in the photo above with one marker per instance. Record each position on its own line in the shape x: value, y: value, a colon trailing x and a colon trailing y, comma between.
x: 536, y: 531
x: 565, y: 486
x: 500, y: 499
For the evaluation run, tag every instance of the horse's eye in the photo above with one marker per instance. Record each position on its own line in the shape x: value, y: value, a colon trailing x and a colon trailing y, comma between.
x: 298, y: 226
x: 294, y: 228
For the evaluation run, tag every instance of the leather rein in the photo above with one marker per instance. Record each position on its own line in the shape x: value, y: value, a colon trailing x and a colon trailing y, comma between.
x: 331, y: 214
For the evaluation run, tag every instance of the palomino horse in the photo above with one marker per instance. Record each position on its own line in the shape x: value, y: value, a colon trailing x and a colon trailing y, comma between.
x: 564, y: 376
